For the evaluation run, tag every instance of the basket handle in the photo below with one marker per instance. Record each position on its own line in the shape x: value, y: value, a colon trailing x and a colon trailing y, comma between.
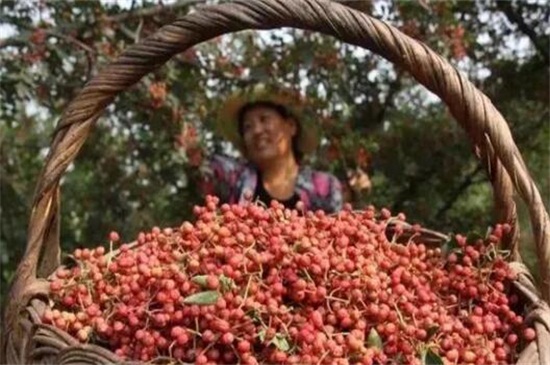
x: 483, y: 124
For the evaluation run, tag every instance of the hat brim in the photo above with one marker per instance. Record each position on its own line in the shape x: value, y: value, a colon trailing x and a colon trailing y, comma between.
x: 227, y: 119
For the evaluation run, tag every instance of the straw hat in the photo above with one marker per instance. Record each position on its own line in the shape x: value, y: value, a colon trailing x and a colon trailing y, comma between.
x: 227, y: 124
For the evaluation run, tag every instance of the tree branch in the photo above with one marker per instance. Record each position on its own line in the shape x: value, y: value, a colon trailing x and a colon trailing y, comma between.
x: 469, y: 179
x: 412, y: 186
x: 140, y: 13
x: 515, y: 18
x: 364, y: 6
x: 395, y: 86
x: 13, y: 41
x: 90, y: 52
x: 465, y: 184
x: 242, y: 82
x: 152, y: 11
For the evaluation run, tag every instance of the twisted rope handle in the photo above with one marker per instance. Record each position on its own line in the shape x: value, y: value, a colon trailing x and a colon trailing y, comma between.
x: 484, y: 125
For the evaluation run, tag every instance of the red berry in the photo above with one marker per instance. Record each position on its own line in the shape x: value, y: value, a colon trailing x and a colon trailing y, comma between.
x: 212, y: 282
x: 243, y: 346
x: 529, y: 334
x: 114, y: 236
x: 512, y: 339
x: 56, y: 285
x: 227, y: 338
x: 452, y: 355
x: 201, y: 360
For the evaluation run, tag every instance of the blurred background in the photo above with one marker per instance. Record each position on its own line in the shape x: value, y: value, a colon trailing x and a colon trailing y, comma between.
x: 139, y: 166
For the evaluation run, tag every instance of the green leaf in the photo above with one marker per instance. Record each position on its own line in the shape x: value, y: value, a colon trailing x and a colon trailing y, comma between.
x: 431, y: 358
x: 200, y: 280
x: 261, y: 335
x: 254, y: 314
x: 227, y: 283
x: 432, y: 331
x: 281, y: 342
x: 374, y: 339
x: 203, y: 298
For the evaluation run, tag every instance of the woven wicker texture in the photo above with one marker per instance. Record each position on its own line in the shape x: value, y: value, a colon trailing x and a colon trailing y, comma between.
x: 25, y: 340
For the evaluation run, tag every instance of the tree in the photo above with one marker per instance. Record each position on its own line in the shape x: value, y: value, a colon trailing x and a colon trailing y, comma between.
x: 137, y: 171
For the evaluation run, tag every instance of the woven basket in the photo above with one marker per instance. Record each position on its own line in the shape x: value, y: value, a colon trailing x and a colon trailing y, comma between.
x: 27, y: 341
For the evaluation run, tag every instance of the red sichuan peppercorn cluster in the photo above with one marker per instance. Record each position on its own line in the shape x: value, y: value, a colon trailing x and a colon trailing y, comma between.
x: 247, y: 284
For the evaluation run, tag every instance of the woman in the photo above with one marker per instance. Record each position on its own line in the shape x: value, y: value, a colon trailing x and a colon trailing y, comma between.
x: 264, y: 125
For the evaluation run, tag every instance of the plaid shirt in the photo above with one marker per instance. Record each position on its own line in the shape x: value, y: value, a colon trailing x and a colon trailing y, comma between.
x: 231, y: 180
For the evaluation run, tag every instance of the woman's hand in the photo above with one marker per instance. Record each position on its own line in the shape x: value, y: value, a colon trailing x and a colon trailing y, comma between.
x: 359, y: 180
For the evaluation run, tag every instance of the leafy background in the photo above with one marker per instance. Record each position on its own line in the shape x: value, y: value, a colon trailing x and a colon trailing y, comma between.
x: 139, y: 166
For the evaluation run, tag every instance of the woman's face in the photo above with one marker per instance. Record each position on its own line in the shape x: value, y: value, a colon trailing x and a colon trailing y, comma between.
x: 267, y: 135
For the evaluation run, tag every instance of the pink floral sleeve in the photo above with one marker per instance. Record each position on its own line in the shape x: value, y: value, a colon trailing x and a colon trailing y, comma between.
x: 220, y: 175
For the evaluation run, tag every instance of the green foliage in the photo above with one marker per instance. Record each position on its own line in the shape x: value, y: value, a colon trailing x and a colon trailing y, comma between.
x: 209, y: 297
x: 374, y: 339
x: 133, y: 174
